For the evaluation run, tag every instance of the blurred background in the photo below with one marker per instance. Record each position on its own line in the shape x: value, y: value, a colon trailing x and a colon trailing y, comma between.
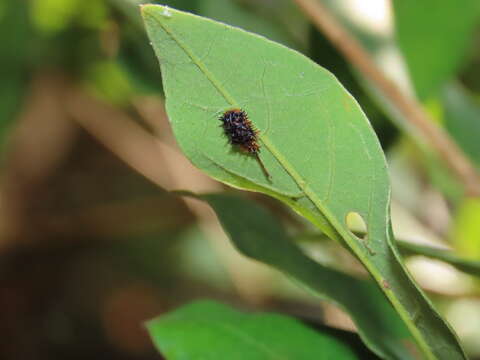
x: 92, y: 242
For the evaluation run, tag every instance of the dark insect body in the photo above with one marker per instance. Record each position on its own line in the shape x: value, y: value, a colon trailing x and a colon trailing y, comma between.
x: 241, y: 133
x: 239, y: 130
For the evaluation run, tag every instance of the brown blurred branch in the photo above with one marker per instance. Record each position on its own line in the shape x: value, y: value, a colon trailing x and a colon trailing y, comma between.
x: 166, y: 167
x: 39, y: 142
x: 125, y: 137
x: 119, y: 133
x: 411, y: 109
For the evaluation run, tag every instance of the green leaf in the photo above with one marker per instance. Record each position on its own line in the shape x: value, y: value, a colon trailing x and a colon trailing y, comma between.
x: 257, y: 234
x: 462, y: 114
x: 434, y: 36
x: 209, y: 331
x: 323, y: 157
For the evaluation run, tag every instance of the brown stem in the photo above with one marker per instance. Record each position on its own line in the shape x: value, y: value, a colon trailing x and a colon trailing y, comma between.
x: 413, y: 112
x: 264, y: 169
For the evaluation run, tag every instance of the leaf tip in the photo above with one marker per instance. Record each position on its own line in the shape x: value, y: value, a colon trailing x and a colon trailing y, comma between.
x: 155, y: 10
x: 148, y: 324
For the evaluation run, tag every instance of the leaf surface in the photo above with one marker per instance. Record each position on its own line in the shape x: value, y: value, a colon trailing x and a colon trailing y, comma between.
x: 211, y: 331
x: 258, y: 235
x: 434, y: 37
x: 320, y: 150
x: 462, y: 114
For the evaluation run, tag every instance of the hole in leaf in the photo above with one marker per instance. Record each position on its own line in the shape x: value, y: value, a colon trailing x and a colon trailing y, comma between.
x: 356, y: 225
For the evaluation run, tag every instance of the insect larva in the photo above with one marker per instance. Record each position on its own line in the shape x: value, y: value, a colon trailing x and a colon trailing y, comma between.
x: 241, y: 133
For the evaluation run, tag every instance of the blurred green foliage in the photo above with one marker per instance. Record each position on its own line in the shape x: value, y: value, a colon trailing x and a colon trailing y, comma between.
x: 435, y: 38
x: 16, y: 40
x: 91, y: 249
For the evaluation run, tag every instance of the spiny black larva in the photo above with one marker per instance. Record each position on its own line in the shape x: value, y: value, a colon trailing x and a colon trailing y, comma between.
x: 241, y: 133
